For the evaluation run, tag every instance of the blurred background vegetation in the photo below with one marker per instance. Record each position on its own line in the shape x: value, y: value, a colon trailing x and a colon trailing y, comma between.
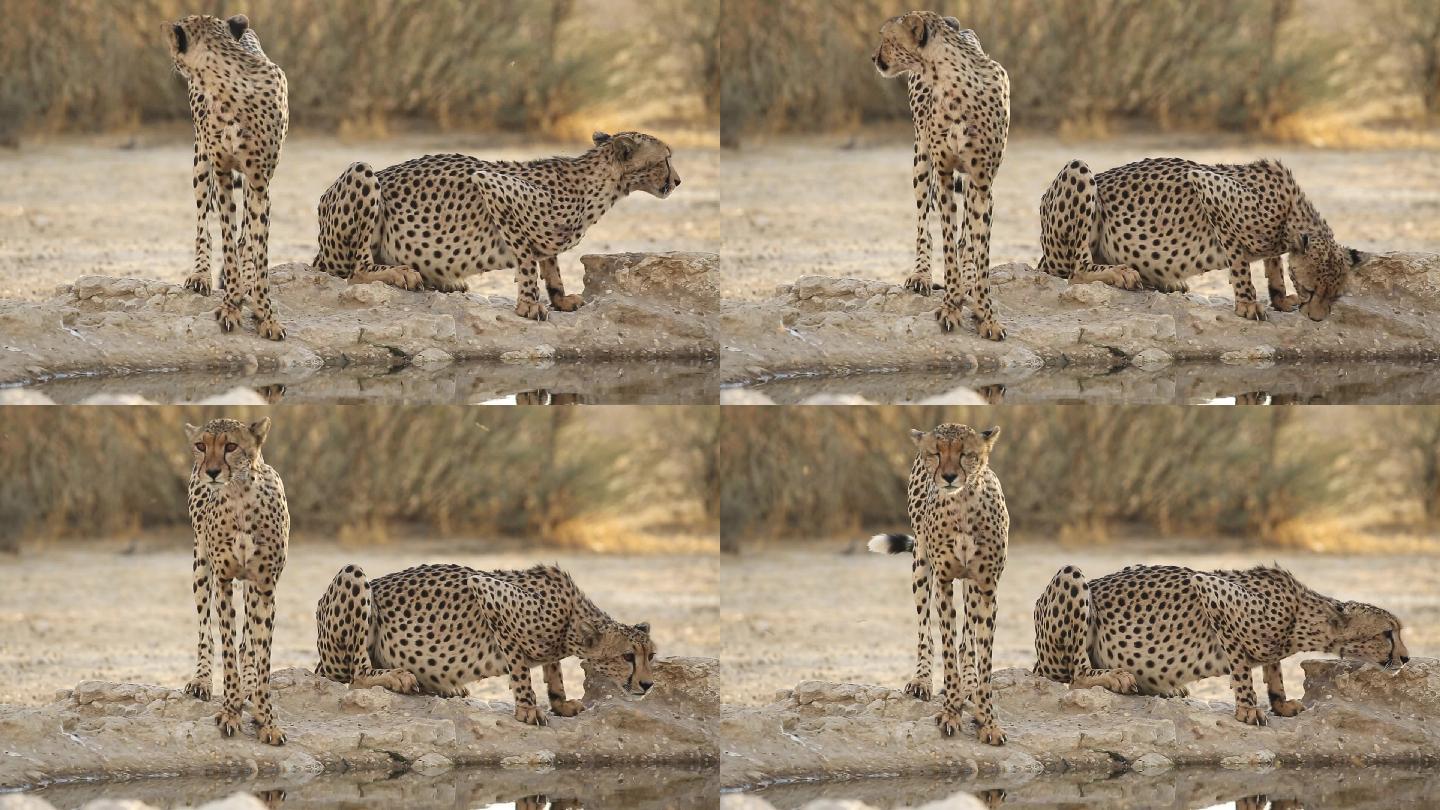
x: 1082, y: 66
x: 364, y: 66
x: 1320, y: 478
x: 603, y: 478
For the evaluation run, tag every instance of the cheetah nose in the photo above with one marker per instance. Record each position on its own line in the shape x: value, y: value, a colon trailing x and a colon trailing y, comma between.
x: 677, y: 183
x: 950, y: 477
x: 1404, y: 659
x: 645, y: 685
x: 879, y: 62
x: 214, y: 474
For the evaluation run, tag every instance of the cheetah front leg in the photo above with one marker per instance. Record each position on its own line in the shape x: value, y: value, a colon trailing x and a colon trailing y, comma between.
x: 950, y: 717
x: 555, y: 689
x: 980, y: 632
x: 922, y: 178
x: 228, y: 314
x: 202, y: 585
x: 920, y: 586
x: 259, y: 624
x: 257, y: 240
x: 950, y: 312
x: 1275, y: 687
x: 228, y: 719
x: 525, y: 709
x: 1275, y: 281
x: 204, y: 188
x: 979, y: 206
x: 1245, y: 304
x: 528, y: 303
x: 555, y: 287
x: 1221, y: 601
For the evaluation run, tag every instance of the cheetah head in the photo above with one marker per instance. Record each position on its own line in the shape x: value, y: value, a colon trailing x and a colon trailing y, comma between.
x: 623, y: 653
x: 195, y: 38
x: 644, y: 162
x: 226, y: 450
x: 1320, y: 268
x: 905, y: 41
x: 955, y: 455
x: 1368, y: 633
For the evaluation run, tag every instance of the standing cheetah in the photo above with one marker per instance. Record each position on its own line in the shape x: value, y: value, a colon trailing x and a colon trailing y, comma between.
x: 435, y: 628
x: 1159, y: 221
x: 1153, y: 629
x: 434, y: 220
x: 962, y: 529
x: 960, y: 102
x: 242, y: 530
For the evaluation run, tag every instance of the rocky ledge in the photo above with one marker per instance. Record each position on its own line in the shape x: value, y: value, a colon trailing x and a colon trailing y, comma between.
x: 117, y: 731
x: 638, y: 306
x: 1356, y: 714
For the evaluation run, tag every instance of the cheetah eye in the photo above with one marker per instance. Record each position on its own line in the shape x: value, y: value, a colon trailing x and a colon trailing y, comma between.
x: 652, y: 656
x: 231, y: 447
x: 200, y: 446
x: 629, y: 657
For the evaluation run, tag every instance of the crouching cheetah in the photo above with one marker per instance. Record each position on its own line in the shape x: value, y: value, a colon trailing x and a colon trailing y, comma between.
x: 239, y: 102
x: 962, y: 529
x: 1153, y: 629
x: 435, y: 628
x: 960, y: 103
x: 432, y: 221
x: 242, y: 529
x: 1159, y: 221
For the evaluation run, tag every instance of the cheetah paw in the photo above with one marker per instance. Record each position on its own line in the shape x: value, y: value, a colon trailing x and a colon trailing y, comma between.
x: 270, y: 734
x: 567, y: 708
x: 228, y: 721
x: 406, y: 278
x: 918, y: 689
x: 532, y: 309
x: 270, y: 329
x: 198, y: 688
x: 992, y: 330
x: 920, y: 284
x: 1287, y: 708
x: 949, y: 720
x: 567, y: 303
x: 1127, y: 278
x: 1286, y: 303
x: 1121, y: 682
x: 1250, y: 310
x: 1250, y: 715
x: 991, y: 734
x: 530, y: 715
x: 228, y: 318
x: 199, y: 282
x: 949, y: 317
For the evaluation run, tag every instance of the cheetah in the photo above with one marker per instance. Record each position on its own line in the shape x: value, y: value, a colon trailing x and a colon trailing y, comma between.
x: 1156, y: 222
x: 962, y: 529
x: 242, y: 530
x: 434, y: 628
x: 431, y: 221
x: 1152, y: 629
x: 960, y: 103
x: 240, y: 105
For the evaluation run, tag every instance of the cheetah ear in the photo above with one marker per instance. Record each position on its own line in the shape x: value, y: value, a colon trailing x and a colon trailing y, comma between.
x: 990, y: 436
x: 919, y: 29
x: 643, y: 627
x: 625, y: 146
x: 917, y: 436
x: 1302, y: 242
x: 599, y: 138
x: 1358, y: 257
x: 238, y: 25
x: 260, y: 430
x: 587, y: 633
x: 953, y: 23
x: 193, y: 433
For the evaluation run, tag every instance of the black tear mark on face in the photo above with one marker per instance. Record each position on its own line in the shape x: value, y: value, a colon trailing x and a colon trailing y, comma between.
x: 181, y: 41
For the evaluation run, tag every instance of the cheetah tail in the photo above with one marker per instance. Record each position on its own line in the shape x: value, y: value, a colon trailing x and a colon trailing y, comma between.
x: 892, y: 543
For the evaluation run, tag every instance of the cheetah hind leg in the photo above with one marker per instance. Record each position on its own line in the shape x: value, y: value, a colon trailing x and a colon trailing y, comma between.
x: 351, y: 216
x: 343, y: 622
x: 1062, y: 637
x: 1070, y: 230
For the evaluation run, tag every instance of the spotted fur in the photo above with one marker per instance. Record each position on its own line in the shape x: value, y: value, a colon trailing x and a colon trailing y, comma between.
x: 1153, y: 629
x: 242, y: 530
x: 1156, y: 222
x: 432, y: 221
x: 435, y: 628
x: 960, y: 103
x: 962, y: 530
x: 240, y: 105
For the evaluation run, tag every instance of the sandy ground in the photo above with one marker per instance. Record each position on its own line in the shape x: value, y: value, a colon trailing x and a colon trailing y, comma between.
x: 96, y: 612
x: 831, y: 207
x: 122, y: 206
x: 818, y: 614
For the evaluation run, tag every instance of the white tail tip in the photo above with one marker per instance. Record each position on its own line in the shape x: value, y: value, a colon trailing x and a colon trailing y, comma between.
x: 880, y: 544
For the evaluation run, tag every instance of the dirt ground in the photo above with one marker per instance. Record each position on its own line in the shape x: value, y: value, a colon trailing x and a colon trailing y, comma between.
x: 817, y: 613
x: 122, y: 206
x: 99, y: 612
x: 835, y: 207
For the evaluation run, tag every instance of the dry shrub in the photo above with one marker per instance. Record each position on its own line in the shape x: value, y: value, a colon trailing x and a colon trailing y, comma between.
x: 804, y: 65
x: 809, y: 473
